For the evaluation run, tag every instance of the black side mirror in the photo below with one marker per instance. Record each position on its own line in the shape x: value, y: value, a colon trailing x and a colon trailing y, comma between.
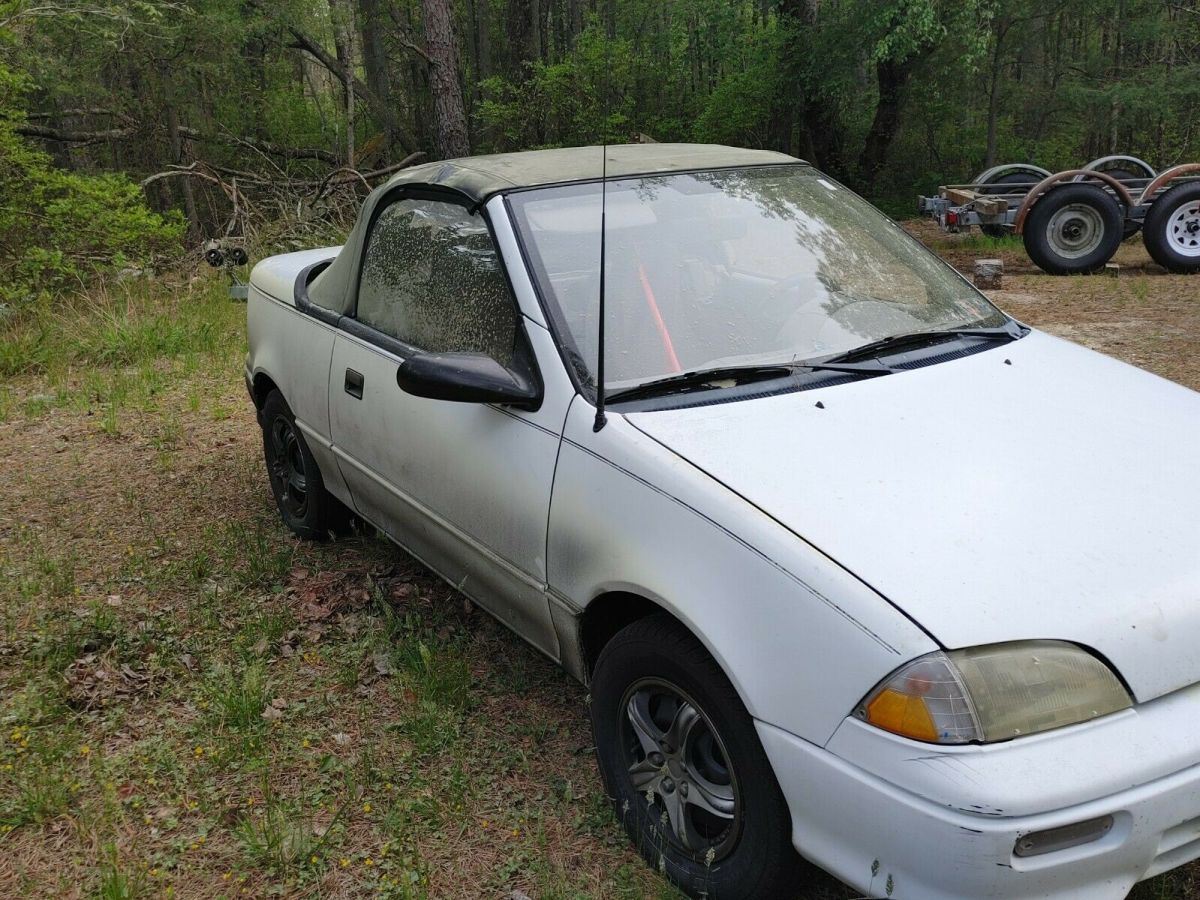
x: 467, y: 378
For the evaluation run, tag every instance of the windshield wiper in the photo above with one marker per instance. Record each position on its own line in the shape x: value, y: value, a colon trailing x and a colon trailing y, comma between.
x: 915, y: 339
x: 700, y: 378
x: 705, y: 378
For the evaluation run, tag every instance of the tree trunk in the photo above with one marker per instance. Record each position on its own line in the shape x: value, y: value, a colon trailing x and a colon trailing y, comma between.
x: 819, y: 131
x: 189, y: 196
x: 343, y: 40
x: 892, y: 77
x: 993, y: 111
x: 535, y: 30
x: 574, y: 19
x: 483, y: 38
x: 449, y: 116
x: 520, y: 38
x: 375, y: 65
x: 378, y: 105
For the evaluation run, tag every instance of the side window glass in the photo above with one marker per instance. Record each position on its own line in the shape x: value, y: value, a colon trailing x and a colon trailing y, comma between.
x: 431, y: 277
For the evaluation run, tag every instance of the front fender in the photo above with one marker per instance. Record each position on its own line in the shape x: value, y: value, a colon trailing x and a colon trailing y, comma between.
x: 801, y: 639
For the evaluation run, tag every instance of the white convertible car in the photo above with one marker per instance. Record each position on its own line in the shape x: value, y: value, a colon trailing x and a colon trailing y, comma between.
x: 857, y: 567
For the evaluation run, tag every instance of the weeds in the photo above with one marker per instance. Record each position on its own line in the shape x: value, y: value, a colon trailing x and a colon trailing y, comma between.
x: 977, y: 240
x: 115, y: 882
x: 68, y: 638
x: 237, y: 698
x: 38, y: 786
x: 420, y: 738
x: 280, y: 837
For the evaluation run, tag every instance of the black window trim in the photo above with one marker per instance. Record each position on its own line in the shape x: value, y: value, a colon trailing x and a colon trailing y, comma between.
x: 523, y: 355
x: 568, y: 350
x: 304, y: 302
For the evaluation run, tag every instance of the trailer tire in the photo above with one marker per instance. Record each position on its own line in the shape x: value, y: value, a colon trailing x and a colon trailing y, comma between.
x: 1171, y: 231
x: 1074, y: 229
x: 996, y: 180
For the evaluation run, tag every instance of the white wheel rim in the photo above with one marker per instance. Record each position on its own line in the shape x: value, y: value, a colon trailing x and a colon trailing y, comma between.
x: 1183, y: 229
x: 1075, y: 230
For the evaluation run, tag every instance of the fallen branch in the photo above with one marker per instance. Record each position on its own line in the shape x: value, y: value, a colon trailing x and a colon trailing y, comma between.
x: 380, y: 107
x: 70, y: 136
x: 263, y: 146
x: 74, y: 137
x: 196, y: 170
x: 364, y: 177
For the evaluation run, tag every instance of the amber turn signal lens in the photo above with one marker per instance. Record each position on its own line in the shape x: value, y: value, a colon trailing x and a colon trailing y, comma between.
x: 902, y: 714
x: 994, y: 693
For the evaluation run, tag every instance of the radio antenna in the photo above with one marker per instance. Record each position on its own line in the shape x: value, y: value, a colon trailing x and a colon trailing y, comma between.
x: 601, y: 419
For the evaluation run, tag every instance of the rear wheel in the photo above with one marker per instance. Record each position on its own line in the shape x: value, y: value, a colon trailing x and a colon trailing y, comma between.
x: 1074, y: 229
x: 1171, y: 231
x: 685, y: 770
x: 1004, y: 180
x: 1127, y: 169
x: 304, y: 505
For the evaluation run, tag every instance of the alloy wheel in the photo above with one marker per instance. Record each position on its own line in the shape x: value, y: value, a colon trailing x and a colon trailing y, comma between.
x: 678, y: 764
x: 287, y: 468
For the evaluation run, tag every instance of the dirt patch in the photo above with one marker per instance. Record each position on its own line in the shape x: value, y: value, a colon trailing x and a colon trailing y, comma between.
x: 191, y: 700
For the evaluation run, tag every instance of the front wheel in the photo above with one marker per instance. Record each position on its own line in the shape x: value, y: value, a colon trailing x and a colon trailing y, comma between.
x: 1074, y: 229
x: 1171, y: 232
x: 685, y: 770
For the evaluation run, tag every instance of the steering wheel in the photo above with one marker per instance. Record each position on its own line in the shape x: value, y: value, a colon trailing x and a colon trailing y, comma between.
x: 854, y: 317
x: 790, y: 281
x: 808, y: 319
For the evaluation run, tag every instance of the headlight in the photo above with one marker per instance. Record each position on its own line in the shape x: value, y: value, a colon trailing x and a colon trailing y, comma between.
x: 994, y: 693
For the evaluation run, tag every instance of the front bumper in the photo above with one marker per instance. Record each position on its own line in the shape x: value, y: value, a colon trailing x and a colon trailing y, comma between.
x: 896, y: 818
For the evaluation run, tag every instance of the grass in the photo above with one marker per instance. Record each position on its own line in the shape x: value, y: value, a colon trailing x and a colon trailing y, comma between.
x: 975, y: 240
x: 192, y: 703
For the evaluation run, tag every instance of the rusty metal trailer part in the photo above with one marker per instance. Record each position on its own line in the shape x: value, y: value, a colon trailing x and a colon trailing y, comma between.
x: 1084, y: 213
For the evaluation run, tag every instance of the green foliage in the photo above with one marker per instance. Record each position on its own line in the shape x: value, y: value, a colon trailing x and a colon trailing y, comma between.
x: 583, y: 99
x: 58, y: 229
x: 891, y: 96
x: 131, y: 324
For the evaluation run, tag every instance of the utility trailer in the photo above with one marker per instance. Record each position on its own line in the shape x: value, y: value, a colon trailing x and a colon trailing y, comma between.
x: 1072, y: 222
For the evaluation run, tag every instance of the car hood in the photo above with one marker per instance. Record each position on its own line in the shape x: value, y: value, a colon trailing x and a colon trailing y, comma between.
x: 1032, y: 490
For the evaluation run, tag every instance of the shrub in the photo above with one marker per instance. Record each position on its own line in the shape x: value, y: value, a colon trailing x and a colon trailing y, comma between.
x: 59, y: 229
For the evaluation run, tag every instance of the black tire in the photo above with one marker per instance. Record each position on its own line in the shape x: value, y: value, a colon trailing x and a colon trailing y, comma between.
x: 1088, y: 226
x: 305, y: 506
x: 1125, y: 175
x: 1001, y: 185
x: 1171, y: 230
x: 746, y: 855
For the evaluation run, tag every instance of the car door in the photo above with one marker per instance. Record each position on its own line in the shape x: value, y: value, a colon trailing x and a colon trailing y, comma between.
x: 464, y: 486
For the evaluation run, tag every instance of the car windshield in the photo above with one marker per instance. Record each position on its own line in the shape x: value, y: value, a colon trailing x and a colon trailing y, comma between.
x: 731, y: 267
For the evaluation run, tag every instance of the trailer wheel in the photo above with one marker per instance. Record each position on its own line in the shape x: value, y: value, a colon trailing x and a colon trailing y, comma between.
x: 1074, y: 229
x: 1171, y: 231
x: 997, y: 180
x: 1126, y: 169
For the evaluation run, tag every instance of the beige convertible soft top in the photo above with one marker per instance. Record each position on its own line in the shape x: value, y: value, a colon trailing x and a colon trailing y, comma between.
x: 479, y: 177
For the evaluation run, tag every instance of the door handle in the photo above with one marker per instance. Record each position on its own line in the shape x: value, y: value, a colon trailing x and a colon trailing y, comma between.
x: 354, y: 384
